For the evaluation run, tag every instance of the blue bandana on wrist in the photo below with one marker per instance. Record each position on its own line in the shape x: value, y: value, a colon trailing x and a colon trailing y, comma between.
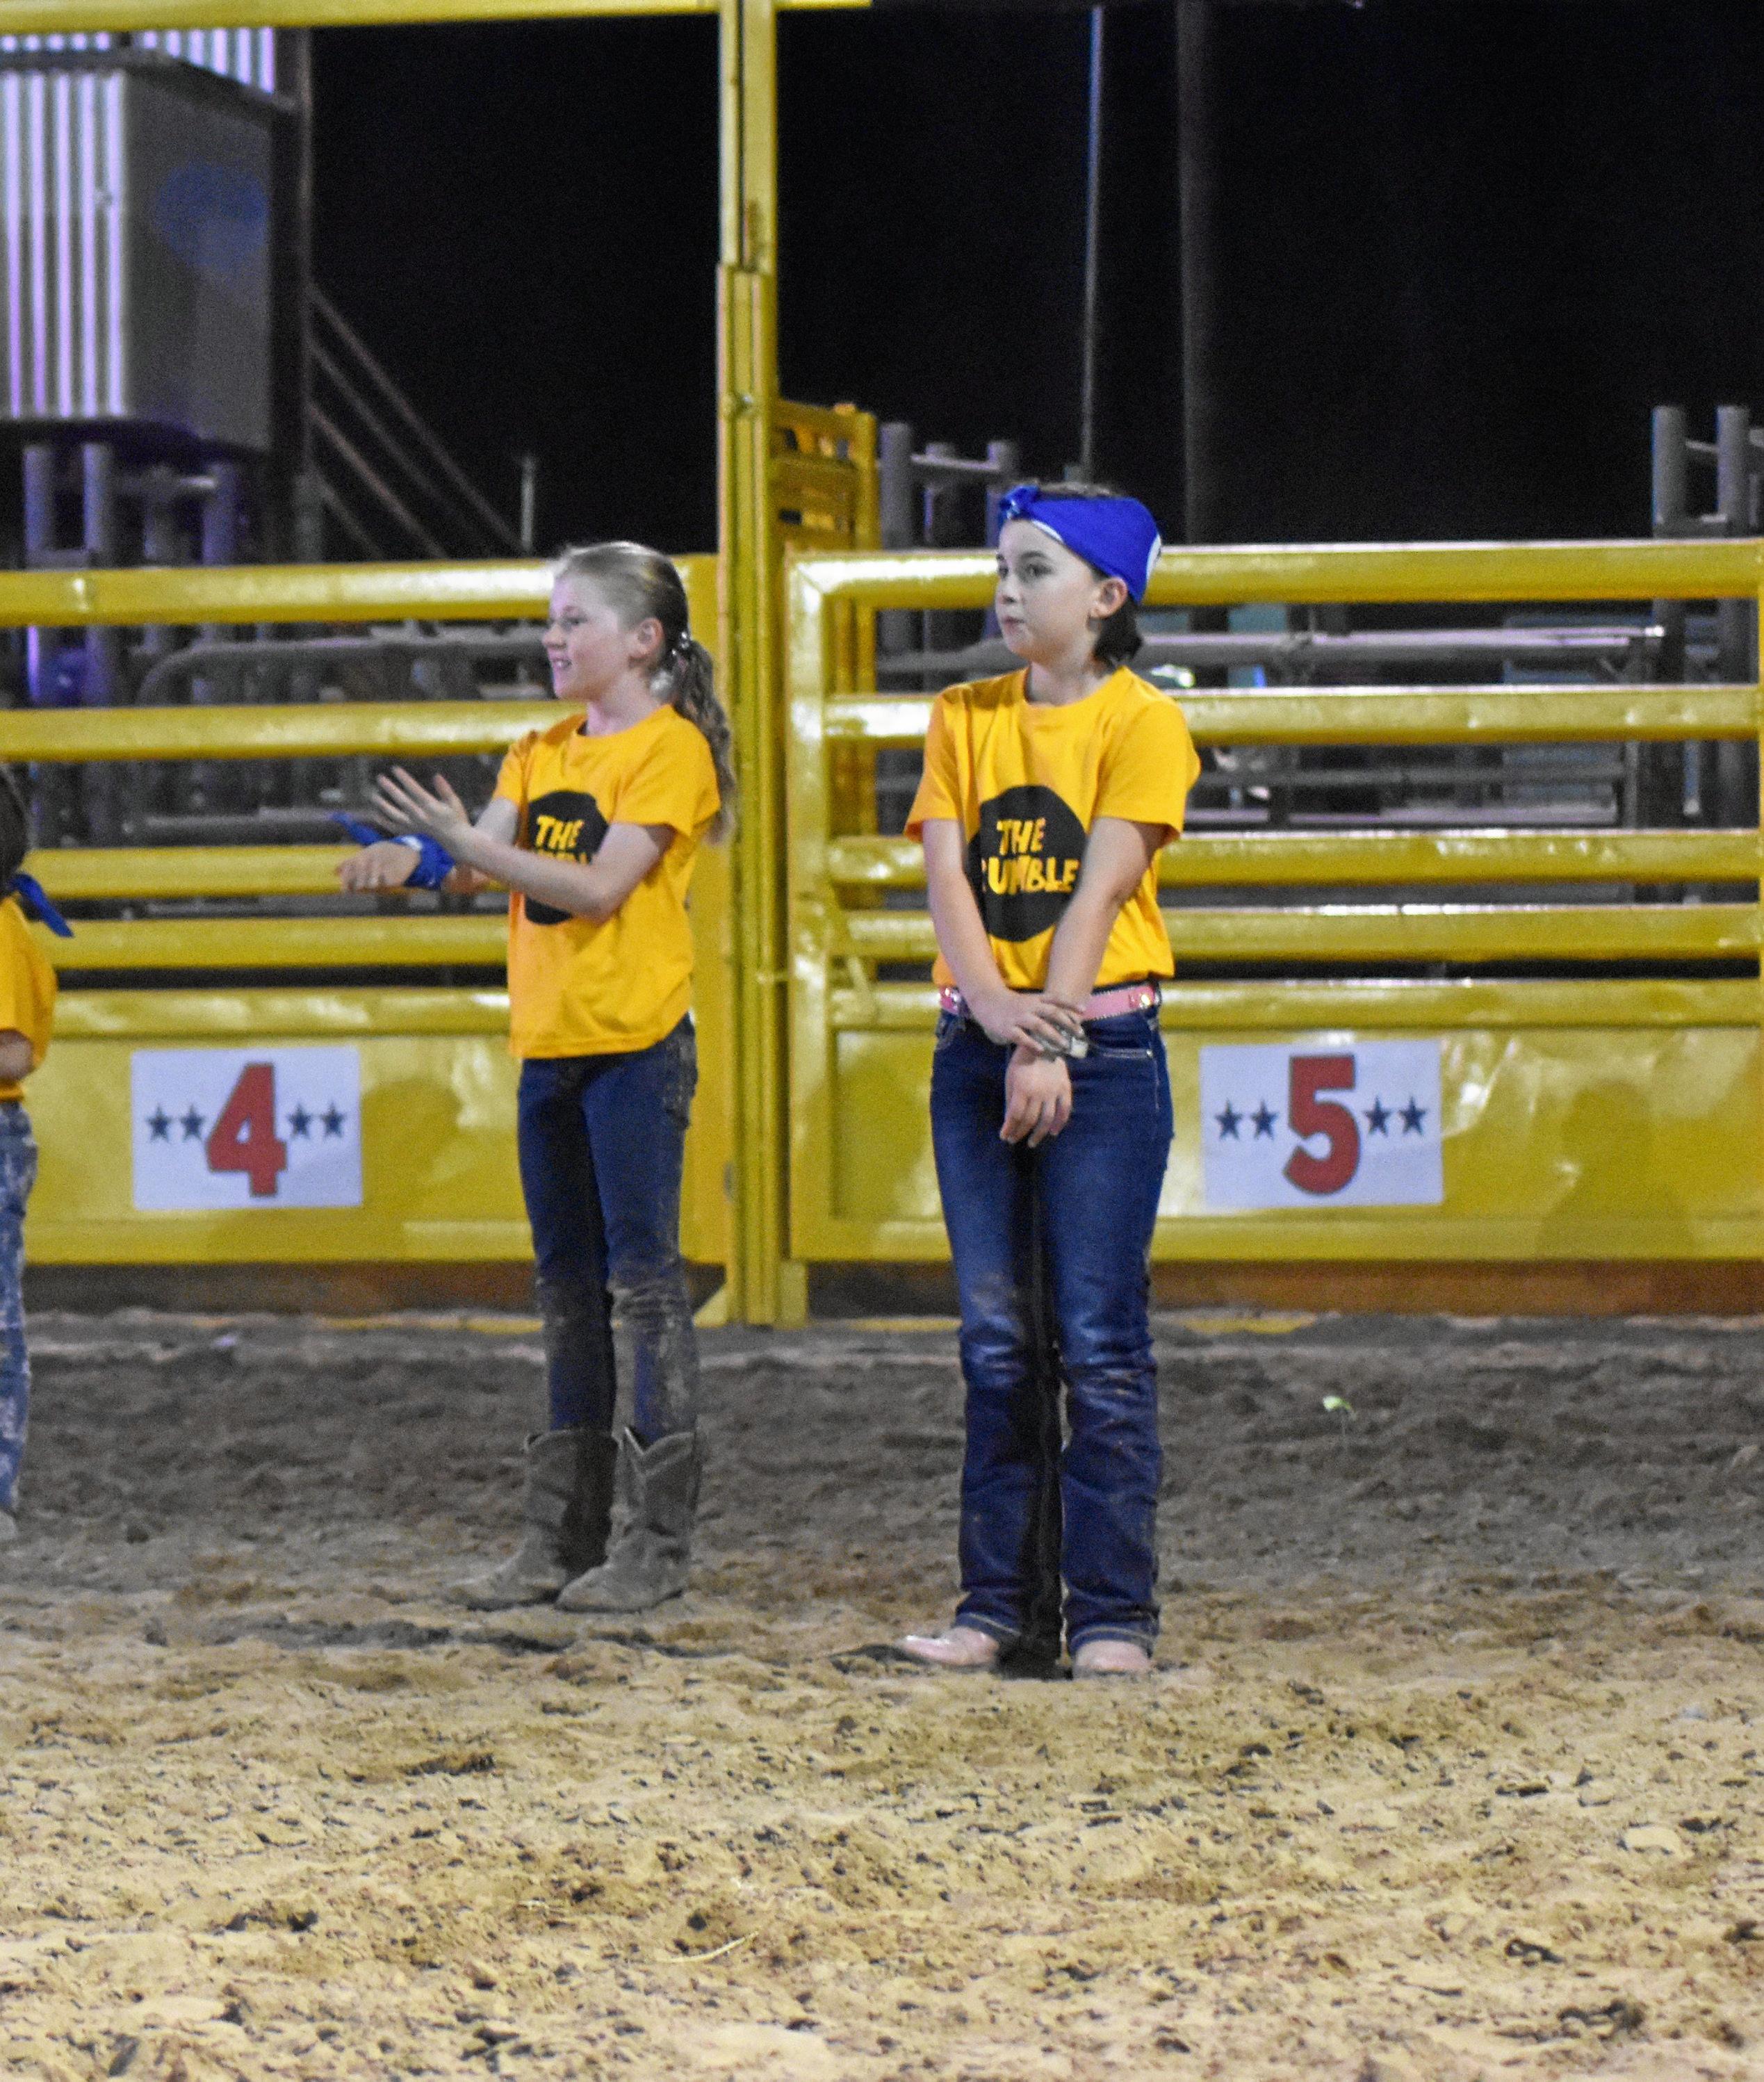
x: 1116, y: 536
x: 434, y: 862
x: 35, y: 898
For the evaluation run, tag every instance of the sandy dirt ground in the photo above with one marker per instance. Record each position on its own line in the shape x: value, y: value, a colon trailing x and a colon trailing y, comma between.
x: 1451, y: 1766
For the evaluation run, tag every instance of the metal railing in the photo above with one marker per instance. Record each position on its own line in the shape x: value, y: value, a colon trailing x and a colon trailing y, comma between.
x: 1574, y: 902
x: 379, y: 463
x: 332, y: 970
x: 225, y: 733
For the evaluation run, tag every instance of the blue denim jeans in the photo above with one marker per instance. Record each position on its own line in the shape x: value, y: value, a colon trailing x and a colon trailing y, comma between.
x: 1051, y: 1248
x: 18, y: 1175
x: 602, y: 1145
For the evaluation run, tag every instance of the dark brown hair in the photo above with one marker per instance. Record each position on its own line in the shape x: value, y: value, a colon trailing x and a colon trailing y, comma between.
x: 637, y: 583
x: 14, y: 827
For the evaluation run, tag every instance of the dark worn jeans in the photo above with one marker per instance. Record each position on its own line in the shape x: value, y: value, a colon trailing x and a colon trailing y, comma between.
x: 602, y: 1146
x: 1051, y: 1248
x: 18, y: 1175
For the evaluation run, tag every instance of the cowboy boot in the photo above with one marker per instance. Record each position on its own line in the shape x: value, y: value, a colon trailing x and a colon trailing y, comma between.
x: 651, y: 1545
x: 565, y: 1509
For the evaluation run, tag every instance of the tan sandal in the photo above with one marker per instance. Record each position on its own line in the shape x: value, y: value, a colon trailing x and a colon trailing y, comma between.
x: 962, y: 1647
x: 1109, y: 1657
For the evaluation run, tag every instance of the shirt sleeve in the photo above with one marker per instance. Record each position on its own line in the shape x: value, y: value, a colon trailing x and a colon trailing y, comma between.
x: 939, y: 785
x: 512, y: 780
x: 675, y: 785
x: 27, y: 985
x: 1149, y: 769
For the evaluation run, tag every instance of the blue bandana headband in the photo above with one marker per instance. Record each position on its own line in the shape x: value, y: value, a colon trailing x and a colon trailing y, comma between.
x: 1116, y: 536
x: 35, y: 898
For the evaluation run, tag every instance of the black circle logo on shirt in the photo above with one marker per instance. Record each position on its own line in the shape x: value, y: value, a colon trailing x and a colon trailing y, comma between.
x: 566, y: 824
x: 1024, y: 861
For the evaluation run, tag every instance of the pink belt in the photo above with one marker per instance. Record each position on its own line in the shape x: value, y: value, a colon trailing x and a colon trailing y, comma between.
x: 1102, y: 1005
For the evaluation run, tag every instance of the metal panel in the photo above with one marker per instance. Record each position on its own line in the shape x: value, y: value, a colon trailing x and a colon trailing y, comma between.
x: 150, y: 15
x: 62, y: 197
x: 135, y: 213
x: 439, y: 1094
x: 439, y: 1176
x: 245, y: 55
x: 1584, y: 1141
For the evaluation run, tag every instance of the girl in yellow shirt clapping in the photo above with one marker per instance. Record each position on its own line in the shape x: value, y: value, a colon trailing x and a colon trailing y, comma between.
x: 593, y: 829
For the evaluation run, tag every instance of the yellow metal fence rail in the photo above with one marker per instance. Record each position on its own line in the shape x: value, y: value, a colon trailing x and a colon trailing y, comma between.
x: 440, y: 1172
x: 1519, y: 1185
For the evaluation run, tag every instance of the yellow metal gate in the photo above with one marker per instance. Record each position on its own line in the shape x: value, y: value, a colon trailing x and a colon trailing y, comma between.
x: 1585, y: 1117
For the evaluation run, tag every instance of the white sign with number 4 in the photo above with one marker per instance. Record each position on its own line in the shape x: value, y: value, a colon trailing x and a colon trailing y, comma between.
x: 1336, y: 1124
x: 227, y: 1128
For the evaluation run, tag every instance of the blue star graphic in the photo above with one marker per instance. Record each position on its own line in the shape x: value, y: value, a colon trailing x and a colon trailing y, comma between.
x: 333, y: 1119
x: 1413, y: 1117
x: 159, y: 1121
x: 1377, y: 1117
x: 1228, y: 1122
x: 191, y: 1124
x: 1264, y: 1121
x: 300, y: 1121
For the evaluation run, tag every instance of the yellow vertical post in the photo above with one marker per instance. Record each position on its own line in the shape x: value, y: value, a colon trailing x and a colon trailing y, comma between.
x: 763, y: 1288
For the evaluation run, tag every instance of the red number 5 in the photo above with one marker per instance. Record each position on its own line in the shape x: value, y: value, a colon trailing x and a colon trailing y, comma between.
x: 244, y: 1137
x: 1308, y: 1075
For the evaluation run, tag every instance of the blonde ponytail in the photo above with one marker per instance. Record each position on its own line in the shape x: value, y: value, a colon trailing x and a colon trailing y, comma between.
x: 640, y: 583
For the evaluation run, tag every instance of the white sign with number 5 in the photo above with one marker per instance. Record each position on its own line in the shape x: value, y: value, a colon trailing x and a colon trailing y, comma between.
x: 1336, y: 1124
x: 217, y: 1128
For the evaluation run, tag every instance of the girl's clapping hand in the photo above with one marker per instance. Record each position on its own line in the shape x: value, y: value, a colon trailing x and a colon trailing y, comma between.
x: 386, y: 866
x: 402, y: 802
x: 1037, y: 1097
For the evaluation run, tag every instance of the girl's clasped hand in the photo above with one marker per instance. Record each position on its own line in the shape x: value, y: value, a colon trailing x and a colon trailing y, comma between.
x: 1037, y: 1097
x: 1040, y: 1030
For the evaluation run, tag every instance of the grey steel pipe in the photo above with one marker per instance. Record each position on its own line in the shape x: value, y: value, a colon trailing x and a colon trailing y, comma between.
x: 1203, y: 374
x: 895, y: 627
x: 1731, y: 770
x: 104, y: 792
x: 321, y: 650
x: 1304, y: 649
x: 1671, y: 459
x: 1087, y: 401
x: 1005, y: 460
x: 940, y: 465
x: 894, y: 461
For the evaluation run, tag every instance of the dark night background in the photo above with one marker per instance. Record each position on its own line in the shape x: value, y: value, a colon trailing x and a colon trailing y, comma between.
x: 1464, y: 246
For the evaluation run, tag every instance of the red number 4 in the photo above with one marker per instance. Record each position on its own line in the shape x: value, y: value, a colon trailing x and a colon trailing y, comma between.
x: 244, y: 1138
x: 1307, y: 1076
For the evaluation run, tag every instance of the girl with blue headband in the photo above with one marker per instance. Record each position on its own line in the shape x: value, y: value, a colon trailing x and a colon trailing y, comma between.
x: 1047, y: 797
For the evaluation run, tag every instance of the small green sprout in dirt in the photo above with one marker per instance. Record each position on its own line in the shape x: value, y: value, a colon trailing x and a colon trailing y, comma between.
x: 1339, y: 1406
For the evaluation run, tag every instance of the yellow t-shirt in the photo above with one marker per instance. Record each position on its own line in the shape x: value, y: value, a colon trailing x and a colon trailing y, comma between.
x: 587, y: 986
x: 1026, y: 780
x: 28, y: 988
